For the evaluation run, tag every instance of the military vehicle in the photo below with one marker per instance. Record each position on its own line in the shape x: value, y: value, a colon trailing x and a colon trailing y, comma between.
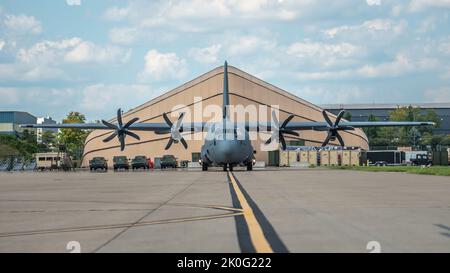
x: 98, y: 163
x: 168, y: 161
x: 120, y: 162
x: 139, y: 162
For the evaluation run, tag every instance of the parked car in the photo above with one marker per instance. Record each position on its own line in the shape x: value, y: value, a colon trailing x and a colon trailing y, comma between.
x: 139, y: 162
x: 168, y: 161
x: 421, y: 159
x: 98, y: 163
x: 120, y: 162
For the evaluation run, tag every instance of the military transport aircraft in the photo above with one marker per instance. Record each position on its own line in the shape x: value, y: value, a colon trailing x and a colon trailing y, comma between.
x: 227, y: 142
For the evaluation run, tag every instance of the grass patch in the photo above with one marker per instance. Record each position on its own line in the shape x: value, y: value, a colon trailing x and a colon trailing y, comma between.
x: 434, y: 170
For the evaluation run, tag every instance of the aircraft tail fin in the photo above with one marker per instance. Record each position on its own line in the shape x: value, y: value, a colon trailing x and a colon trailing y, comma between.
x: 226, y: 97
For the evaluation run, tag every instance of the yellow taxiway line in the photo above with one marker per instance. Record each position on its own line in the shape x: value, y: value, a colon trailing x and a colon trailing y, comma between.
x: 256, y: 233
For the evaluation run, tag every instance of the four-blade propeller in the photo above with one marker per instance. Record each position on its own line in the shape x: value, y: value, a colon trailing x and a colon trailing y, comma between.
x: 334, y: 128
x: 120, y: 130
x: 175, y: 131
x: 278, y: 131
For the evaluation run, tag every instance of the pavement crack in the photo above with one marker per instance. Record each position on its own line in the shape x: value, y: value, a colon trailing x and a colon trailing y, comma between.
x: 143, y: 217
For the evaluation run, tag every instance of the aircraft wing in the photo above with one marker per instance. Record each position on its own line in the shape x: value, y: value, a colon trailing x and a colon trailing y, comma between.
x: 313, y: 125
x: 157, y: 127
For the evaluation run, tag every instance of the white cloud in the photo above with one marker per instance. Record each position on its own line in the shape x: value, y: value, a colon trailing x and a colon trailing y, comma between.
x: 325, y: 54
x: 74, y: 50
x: 23, y: 72
x: 47, y: 59
x: 205, y: 15
x: 420, y: 5
x: 96, y: 100
x: 373, y: 2
x: 162, y: 66
x: 102, y: 97
x: 2, y: 44
x: 308, y: 49
x: 322, y: 95
x: 205, y: 55
x: 438, y: 95
x: 400, y: 66
x: 86, y: 52
x: 9, y: 96
x: 22, y: 24
x: 116, y: 14
x: 243, y: 45
x: 124, y: 35
x: 373, y: 27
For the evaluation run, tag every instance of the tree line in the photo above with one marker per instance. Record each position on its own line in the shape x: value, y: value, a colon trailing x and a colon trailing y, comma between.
x: 25, y: 144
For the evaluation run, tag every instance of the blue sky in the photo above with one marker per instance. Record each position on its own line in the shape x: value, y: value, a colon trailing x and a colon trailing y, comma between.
x: 57, y: 56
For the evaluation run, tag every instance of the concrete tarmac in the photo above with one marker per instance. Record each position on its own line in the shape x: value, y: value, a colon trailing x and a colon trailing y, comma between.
x: 272, y: 210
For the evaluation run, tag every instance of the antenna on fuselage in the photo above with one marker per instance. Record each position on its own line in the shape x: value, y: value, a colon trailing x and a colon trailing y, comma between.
x: 226, y: 97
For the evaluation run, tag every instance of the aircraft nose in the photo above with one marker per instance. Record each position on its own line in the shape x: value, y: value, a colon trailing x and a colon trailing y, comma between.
x: 226, y: 151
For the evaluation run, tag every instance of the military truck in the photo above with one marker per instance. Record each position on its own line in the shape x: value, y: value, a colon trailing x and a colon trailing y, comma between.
x: 139, y: 162
x: 168, y: 161
x: 120, y: 162
x: 98, y: 163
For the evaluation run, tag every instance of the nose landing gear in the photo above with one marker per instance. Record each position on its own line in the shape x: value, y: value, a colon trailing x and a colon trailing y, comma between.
x: 230, y: 167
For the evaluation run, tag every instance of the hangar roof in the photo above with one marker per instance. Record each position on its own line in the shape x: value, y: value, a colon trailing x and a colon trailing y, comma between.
x: 214, y: 72
x: 385, y: 105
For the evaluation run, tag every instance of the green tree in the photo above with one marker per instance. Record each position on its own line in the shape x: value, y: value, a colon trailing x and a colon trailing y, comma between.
x: 403, y: 136
x: 371, y: 132
x: 348, y: 116
x: 48, y: 141
x: 73, y: 139
x: 24, y: 144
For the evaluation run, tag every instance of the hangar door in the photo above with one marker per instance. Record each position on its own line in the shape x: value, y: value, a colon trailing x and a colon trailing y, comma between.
x: 274, y: 158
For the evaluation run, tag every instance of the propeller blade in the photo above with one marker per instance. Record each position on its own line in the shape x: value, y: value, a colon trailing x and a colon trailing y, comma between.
x: 290, y: 132
x: 275, y: 119
x: 283, y: 142
x: 113, y: 135
x: 109, y: 125
x: 327, y: 119
x: 169, y: 144
x: 341, y: 141
x: 345, y: 128
x: 180, y: 119
x: 162, y: 132
x: 130, y: 122
x: 167, y: 120
x: 119, y: 117
x: 339, y: 116
x: 184, y: 143
x: 325, y: 142
x: 131, y: 134
x: 122, y: 141
x: 287, y: 121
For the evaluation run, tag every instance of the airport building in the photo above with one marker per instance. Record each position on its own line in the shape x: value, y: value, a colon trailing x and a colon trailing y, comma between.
x: 40, y: 131
x: 361, y: 112
x: 245, y: 90
x: 10, y: 121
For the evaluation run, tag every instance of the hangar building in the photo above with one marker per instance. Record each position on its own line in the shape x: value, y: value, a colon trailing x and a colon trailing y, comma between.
x: 245, y: 90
